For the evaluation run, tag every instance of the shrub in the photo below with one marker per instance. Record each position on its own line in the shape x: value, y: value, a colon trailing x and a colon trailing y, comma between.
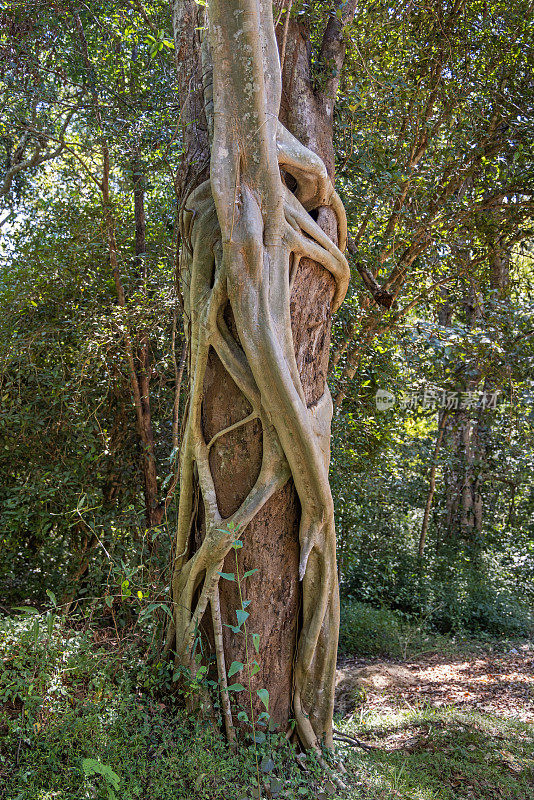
x: 454, y: 591
x: 368, y: 631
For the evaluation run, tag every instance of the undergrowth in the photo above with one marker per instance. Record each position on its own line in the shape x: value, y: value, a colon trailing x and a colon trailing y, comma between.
x: 87, y: 711
x: 84, y: 714
x: 389, y: 633
x: 368, y: 631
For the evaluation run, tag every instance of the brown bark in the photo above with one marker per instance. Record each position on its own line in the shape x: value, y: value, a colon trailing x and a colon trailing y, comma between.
x: 272, y: 543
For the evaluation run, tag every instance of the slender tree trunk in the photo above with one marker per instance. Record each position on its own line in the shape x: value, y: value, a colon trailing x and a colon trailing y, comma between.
x: 431, y: 483
x: 261, y: 273
x: 137, y: 359
x: 153, y: 508
x: 467, y: 433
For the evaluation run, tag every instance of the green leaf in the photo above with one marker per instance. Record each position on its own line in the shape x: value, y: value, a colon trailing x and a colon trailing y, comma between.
x: 250, y: 572
x: 263, y: 694
x: 267, y: 764
x: 255, y: 668
x: 243, y: 716
x: 52, y: 597
x: 235, y: 666
x: 229, y: 576
x: 234, y: 628
x: 93, y: 767
x: 236, y: 687
x: 256, y: 642
x: 242, y: 616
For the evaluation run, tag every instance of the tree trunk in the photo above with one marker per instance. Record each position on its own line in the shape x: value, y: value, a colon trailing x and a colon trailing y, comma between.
x: 153, y: 508
x: 431, y: 483
x: 261, y: 277
x: 467, y: 433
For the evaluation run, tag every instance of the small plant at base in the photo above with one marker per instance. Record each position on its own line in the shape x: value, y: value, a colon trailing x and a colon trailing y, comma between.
x: 252, y: 667
x: 93, y: 767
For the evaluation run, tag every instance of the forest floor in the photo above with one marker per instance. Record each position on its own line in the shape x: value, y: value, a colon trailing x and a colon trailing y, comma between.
x: 84, y: 714
x: 443, y: 726
x: 501, y: 683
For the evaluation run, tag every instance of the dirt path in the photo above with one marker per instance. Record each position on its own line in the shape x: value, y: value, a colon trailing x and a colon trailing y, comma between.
x: 501, y: 683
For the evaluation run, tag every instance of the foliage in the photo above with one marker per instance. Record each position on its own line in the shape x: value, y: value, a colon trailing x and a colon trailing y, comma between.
x: 477, y: 581
x: 368, y: 631
x: 433, y: 149
x: 434, y: 163
x: 76, y: 719
x: 79, y: 716
x: 71, y: 459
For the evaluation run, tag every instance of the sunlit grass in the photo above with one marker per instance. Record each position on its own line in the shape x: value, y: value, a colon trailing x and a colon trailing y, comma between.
x: 440, y: 754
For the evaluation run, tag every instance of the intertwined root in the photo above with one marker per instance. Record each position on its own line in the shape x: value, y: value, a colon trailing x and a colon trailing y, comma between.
x: 244, y: 233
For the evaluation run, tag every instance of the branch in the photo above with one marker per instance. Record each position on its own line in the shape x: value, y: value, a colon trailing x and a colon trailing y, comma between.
x: 333, y: 46
x: 351, y: 740
x: 38, y: 157
x: 382, y: 297
x: 284, y: 35
x: 369, y: 329
x: 139, y: 6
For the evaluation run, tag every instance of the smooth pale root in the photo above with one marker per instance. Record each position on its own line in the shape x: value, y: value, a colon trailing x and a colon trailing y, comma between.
x: 241, y: 231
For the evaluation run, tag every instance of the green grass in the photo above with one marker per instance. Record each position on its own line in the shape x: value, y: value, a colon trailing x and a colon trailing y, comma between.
x: 382, y: 632
x: 369, y: 631
x: 448, y: 755
x: 82, y: 721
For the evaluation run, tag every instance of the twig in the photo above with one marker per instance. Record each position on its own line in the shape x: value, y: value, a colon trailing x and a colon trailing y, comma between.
x: 347, y: 739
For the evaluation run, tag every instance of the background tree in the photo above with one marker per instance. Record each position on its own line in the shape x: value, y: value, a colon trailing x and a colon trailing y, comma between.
x: 89, y: 294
